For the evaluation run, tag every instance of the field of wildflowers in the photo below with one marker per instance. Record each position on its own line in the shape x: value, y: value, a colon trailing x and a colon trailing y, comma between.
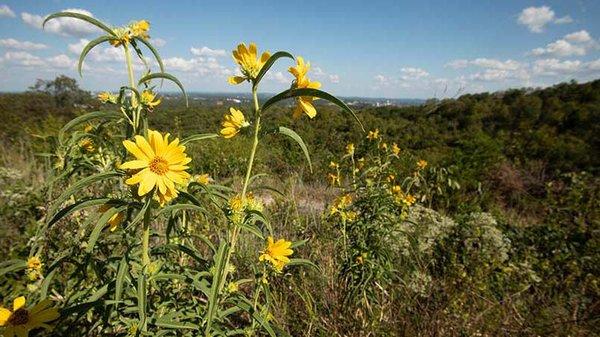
x: 125, y: 236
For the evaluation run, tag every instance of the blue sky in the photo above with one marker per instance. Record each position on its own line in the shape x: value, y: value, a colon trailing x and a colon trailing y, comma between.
x: 357, y: 48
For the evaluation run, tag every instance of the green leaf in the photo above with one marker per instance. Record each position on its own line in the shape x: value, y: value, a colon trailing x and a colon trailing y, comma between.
x: 290, y: 93
x: 245, y: 305
x: 296, y: 137
x: 18, y: 265
x: 270, y: 63
x: 213, y: 298
x: 80, y: 185
x: 178, y: 207
x: 100, y: 226
x: 88, y: 48
x: 197, y: 137
x: 121, y: 274
x: 46, y: 284
x: 167, y: 322
x: 302, y: 262
x: 142, y: 211
x: 80, y: 16
x: 85, y: 118
x: 141, y: 297
x: 79, y: 205
x: 165, y: 76
x: 153, y: 51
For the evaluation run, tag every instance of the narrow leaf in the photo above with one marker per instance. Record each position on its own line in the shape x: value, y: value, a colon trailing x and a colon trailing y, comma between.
x: 296, y: 137
x: 165, y: 76
x: 270, y: 63
x: 88, y: 48
x: 197, y: 137
x: 290, y: 93
x: 80, y: 16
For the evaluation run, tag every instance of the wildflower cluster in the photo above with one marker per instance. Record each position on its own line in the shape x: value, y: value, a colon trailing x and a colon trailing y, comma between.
x: 138, y: 212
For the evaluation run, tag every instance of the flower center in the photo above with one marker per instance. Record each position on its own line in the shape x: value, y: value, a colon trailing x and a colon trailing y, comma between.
x: 159, y: 166
x: 19, y: 317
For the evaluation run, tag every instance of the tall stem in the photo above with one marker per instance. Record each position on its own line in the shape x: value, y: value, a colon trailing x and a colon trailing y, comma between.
x: 255, y: 142
x: 136, y: 117
x: 146, y: 240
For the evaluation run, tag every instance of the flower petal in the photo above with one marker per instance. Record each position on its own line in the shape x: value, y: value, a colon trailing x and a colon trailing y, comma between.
x: 18, y: 303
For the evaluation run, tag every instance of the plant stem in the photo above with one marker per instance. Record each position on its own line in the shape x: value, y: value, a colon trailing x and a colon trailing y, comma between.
x: 136, y: 117
x: 146, y: 240
x: 255, y: 142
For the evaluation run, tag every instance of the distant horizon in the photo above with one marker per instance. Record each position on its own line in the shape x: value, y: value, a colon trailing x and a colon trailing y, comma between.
x: 384, y: 48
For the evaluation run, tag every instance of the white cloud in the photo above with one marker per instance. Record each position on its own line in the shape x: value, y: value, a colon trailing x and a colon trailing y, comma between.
x: 203, y: 66
x: 5, y: 11
x: 410, y: 73
x: 23, y: 45
x: 62, y: 26
x: 279, y: 77
x: 205, y: 51
x: 61, y: 61
x: 554, y: 66
x: 536, y: 18
x: 76, y: 48
x: 158, y: 42
x: 563, y: 20
x: 577, y: 43
x: 580, y: 36
x: 486, y: 63
x: 21, y: 58
x: 458, y: 64
x: 320, y: 74
x: 381, y: 79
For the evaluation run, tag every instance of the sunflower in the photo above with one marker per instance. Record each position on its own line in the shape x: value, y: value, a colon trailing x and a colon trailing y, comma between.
x: 233, y: 123
x: 159, y: 163
x: 304, y: 103
x: 20, y: 321
x: 277, y: 253
x: 250, y: 64
x: 140, y: 28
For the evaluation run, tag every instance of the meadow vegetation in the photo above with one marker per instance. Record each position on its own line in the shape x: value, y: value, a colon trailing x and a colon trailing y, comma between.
x: 473, y: 216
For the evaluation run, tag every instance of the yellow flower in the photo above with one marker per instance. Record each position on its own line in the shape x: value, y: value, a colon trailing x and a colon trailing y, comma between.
x: 232, y: 287
x: 360, y: 163
x: 107, y: 97
x: 374, y: 134
x: 397, y: 189
x: 233, y: 123
x: 88, y: 128
x: 160, y: 163
x: 114, y: 220
x: 391, y: 178
x: 140, y: 28
x: 87, y: 144
x: 304, y: 103
x: 334, y: 165
x: 395, y: 149
x: 34, y: 263
x: 20, y: 320
x: 148, y: 99
x: 236, y: 203
x: 384, y: 146
x: 421, y: 164
x: 203, y: 179
x: 350, y: 149
x: 250, y: 64
x: 122, y: 36
x: 277, y: 253
x: 409, y: 199
x: 333, y: 179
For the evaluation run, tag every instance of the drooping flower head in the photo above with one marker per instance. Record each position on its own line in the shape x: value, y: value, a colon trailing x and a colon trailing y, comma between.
x: 107, y: 97
x: 20, y: 321
x: 233, y: 123
x: 249, y: 62
x: 124, y: 35
x: 34, y: 263
x: 277, y: 253
x: 303, y: 103
x: 140, y: 28
x: 149, y: 100
x: 159, y: 163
